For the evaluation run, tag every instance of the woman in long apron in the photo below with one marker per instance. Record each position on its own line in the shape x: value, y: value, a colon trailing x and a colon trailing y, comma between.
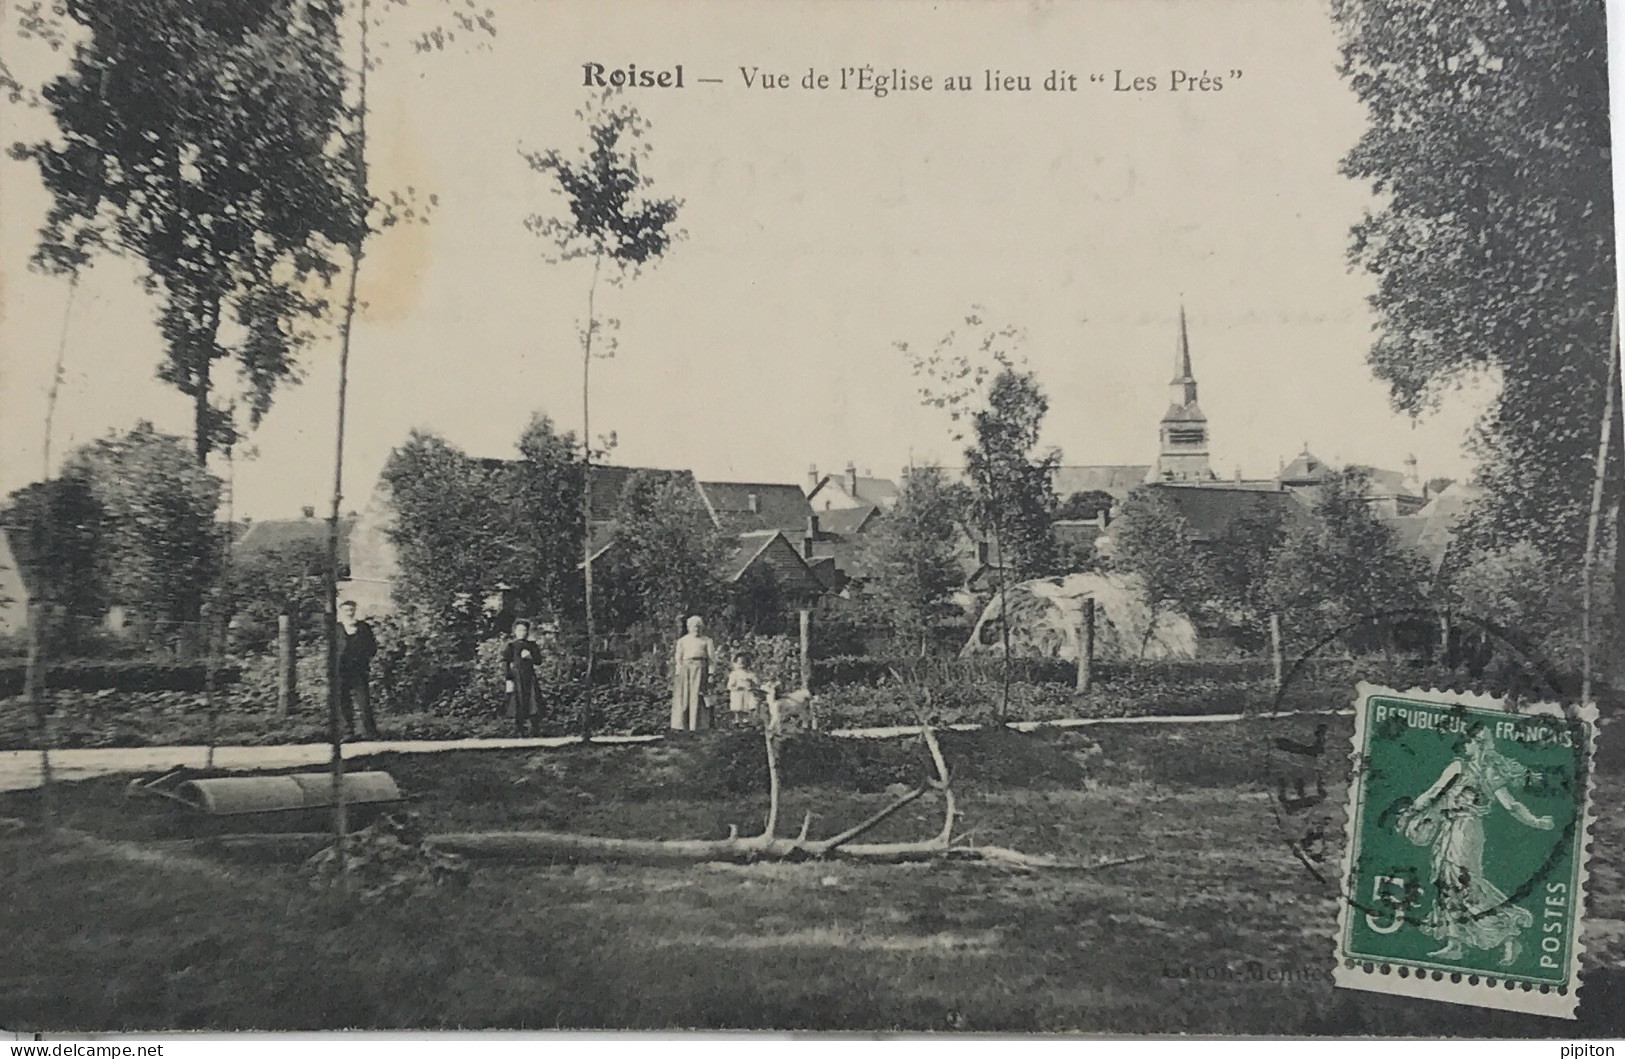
x: 693, y: 659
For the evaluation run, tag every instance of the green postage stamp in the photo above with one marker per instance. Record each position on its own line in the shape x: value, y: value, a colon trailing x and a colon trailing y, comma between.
x: 1464, y: 873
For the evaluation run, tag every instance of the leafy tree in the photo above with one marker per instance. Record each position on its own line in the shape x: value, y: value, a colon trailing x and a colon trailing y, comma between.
x: 1085, y: 504
x: 56, y: 527
x: 160, y: 546
x: 973, y: 375
x: 1014, y: 495
x: 617, y: 223
x: 1152, y: 540
x: 289, y: 578
x: 664, y: 555
x: 547, y: 489
x: 1488, y: 139
x: 194, y: 138
x: 1241, y: 564
x: 1342, y: 566
x: 912, y: 553
x: 1521, y: 589
x: 455, y: 533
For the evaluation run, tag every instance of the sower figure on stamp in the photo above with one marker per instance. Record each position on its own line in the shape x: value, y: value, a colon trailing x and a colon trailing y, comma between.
x: 1448, y: 819
x: 520, y: 658
x: 357, y: 645
x: 693, y: 659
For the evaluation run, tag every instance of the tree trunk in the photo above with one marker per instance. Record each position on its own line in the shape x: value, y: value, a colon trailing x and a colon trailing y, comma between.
x: 335, y: 720
x: 586, y: 500
x: 1277, y: 657
x: 1587, y: 579
x: 1086, y: 648
x: 287, y: 665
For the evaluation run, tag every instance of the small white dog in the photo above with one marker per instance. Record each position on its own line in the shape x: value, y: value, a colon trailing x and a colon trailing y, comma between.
x: 798, y: 708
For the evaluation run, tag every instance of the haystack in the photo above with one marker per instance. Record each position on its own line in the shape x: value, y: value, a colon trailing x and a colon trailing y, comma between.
x: 1046, y: 617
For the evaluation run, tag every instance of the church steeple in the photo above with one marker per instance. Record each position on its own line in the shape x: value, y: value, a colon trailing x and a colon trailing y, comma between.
x: 1183, y: 382
x: 1184, y: 453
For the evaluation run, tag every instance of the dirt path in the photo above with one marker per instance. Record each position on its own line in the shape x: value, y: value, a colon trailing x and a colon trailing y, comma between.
x: 21, y: 769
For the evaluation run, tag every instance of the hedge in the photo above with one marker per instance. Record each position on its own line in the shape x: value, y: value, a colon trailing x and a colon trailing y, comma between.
x: 845, y: 670
x: 116, y: 674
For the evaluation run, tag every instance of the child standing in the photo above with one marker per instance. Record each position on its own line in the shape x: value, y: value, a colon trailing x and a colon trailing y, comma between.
x: 741, y: 690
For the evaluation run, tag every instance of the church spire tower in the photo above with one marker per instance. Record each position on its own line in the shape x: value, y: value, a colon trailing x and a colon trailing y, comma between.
x: 1183, y: 456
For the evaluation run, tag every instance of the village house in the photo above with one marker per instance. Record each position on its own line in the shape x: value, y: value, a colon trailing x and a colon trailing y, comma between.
x: 766, y: 522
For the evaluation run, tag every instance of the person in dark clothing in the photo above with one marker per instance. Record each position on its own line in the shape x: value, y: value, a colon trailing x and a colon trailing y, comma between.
x: 519, y: 661
x: 357, y: 645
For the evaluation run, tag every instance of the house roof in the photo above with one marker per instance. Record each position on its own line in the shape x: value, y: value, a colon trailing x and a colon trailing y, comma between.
x: 1076, y: 532
x: 745, y: 552
x: 275, y: 534
x: 778, y: 506
x: 1306, y: 468
x: 879, y: 491
x: 844, y: 522
x: 846, y: 557
x: 1209, y: 509
x: 1116, y: 479
x: 1430, y: 531
x: 1382, y: 482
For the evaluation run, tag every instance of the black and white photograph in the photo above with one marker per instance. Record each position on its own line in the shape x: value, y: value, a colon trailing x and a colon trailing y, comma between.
x: 1091, y: 517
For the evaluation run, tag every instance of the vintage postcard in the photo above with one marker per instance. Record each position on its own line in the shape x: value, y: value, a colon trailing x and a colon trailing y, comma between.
x: 875, y: 516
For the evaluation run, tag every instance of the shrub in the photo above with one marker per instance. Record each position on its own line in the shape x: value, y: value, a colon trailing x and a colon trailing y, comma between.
x: 116, y: 674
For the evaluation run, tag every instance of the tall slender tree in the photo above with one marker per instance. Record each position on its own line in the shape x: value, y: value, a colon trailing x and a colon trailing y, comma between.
x: 195, y: 138
x: 996, y: 408
x: 616, y: 222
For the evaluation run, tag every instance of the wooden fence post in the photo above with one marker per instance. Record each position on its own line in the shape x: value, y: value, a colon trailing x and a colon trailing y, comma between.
x: 34, y: 683
x: 806, y: 649
x: 1275, y: 648
x: 287, y: 665
x: 1086, y: 647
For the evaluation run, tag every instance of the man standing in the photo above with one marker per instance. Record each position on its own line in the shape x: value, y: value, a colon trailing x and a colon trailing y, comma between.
x: 357, y: 645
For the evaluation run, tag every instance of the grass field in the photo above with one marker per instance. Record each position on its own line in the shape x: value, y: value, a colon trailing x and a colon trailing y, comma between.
x: 100, y: 932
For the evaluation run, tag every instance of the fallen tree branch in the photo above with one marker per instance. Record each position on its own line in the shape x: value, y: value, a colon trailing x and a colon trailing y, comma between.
x: 831, y: 844
x: 555, y: 846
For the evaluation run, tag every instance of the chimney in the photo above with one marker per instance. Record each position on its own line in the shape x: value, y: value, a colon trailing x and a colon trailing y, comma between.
x: 852, y: 479
x: 812, y: 477
x: 807, y: 547
x: 753, y: 502
x: 812, y: 527
x: 308, y: 511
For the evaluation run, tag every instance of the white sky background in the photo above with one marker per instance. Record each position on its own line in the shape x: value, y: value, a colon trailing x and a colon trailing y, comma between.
x: 822, y: 228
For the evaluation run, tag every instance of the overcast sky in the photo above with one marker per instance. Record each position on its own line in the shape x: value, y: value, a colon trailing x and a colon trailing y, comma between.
x: 822, y: 228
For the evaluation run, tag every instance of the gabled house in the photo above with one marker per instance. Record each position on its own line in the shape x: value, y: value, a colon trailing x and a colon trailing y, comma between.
x: 767, y: 520
x: 15, y: 594
x: 849, y: 490
x: 770, y: 553
x: 745, y: 507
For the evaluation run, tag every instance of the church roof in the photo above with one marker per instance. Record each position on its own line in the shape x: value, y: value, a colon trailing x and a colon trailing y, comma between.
x: 1116, y: 479
x: 1211, y: 507
x: 1191, y: 413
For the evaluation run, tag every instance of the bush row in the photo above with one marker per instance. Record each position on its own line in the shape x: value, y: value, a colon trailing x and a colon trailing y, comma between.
x: 116, y: 674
